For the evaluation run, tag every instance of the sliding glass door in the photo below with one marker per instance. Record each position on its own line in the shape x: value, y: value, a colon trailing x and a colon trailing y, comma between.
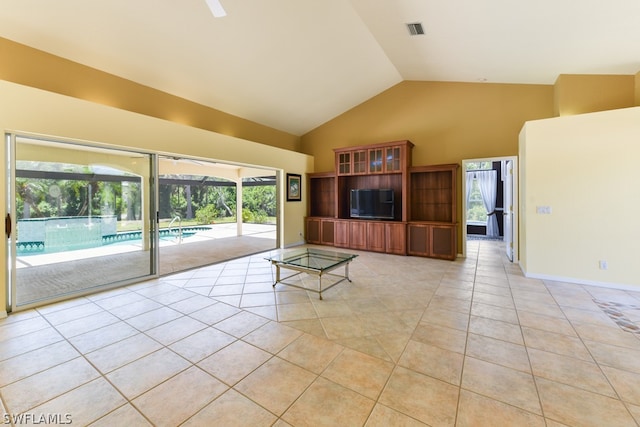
x: 83, y: 218
x: 210, y: 212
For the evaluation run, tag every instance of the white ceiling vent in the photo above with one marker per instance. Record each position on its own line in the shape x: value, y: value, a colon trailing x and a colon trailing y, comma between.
x: 415, y: 29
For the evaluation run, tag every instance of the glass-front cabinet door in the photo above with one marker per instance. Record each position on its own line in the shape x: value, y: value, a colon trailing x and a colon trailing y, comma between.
x: 392, y: 159
x: 359, y: 162
x: 82, y: 218
x: 344, y: 163
x: 375, y: 160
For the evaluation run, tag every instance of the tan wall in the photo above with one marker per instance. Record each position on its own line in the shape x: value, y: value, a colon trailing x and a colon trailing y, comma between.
x: 579, y: 94
x: 637, y: 89
x: 35, y: 68
x: 447, y: 122
x: 34, y: 111
x: 584, y: 168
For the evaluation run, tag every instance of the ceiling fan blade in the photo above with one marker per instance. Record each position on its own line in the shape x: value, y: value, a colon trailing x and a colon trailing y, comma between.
x: 216, y: 8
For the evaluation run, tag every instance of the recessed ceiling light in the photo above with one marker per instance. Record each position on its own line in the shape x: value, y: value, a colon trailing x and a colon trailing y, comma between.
x: 415, y: 28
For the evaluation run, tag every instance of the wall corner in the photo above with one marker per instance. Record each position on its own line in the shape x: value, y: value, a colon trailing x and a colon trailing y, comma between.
x: 590, y: 93
x: 637, y: 89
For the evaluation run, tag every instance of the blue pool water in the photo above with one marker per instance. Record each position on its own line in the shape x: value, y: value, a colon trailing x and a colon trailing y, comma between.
x: 127, y: 237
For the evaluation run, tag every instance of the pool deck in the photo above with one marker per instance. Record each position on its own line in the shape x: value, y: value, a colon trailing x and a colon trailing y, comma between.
x: 48, y: 276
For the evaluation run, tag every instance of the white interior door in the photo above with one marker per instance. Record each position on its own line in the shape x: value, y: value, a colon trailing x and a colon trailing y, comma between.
x: 508, y: 208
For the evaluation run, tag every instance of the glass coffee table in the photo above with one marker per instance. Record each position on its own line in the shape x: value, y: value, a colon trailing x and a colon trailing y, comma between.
x: 314, y: 262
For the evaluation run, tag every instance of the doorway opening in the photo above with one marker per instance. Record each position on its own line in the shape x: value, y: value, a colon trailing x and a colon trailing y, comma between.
x: 489, y: 202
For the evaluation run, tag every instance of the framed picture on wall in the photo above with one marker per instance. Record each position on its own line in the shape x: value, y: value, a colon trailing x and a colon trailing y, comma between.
x: 294, y: 187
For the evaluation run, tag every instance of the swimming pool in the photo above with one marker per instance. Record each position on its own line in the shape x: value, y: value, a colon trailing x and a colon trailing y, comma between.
x: 125, y: 237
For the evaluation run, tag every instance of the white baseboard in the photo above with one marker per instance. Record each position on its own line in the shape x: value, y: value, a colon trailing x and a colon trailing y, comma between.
x: 575, y: 281
x: 298, y: 243
x: 3, y: 314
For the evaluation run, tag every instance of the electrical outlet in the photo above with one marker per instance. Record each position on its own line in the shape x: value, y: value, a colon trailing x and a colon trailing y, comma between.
x: 543, y: 210
x: 603, y: 265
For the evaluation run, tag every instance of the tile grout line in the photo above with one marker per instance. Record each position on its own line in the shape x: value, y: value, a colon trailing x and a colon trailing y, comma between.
x: 526, y: 348
x: 100, y: 374
x: 466, y: 341
x: 595, y: 360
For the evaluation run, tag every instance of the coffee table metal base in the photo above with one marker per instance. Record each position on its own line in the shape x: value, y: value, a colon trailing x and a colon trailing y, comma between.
x: 313, y: 262
x: 320, y: 289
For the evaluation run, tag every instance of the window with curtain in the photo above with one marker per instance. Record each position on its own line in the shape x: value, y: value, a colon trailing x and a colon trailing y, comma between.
x: 487, y: 181
x: 476, y: 211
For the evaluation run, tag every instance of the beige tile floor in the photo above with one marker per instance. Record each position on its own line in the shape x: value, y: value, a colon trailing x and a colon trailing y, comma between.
x: 412, y: 341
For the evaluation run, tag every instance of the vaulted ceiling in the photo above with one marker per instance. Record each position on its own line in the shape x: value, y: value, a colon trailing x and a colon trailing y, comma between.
x: 295, y: 64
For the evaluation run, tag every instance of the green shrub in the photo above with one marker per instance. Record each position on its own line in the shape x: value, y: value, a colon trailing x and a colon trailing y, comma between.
x: 207, y: 214
x: 260, y: 217
x: 246, y: 215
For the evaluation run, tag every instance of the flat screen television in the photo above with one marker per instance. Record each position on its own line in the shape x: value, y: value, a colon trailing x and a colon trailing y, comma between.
x: 372, y: 203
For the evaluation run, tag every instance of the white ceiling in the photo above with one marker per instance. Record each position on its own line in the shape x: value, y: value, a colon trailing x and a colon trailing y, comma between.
x: 295, y: 64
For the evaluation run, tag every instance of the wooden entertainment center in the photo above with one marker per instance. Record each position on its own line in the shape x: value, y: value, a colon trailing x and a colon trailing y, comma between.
x: 424, y: 205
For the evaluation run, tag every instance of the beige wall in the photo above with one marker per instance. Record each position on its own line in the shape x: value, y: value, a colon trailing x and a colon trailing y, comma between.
x: 584, y: 168
x: 579, y: 94
x: 25, y: 109
x: 35, y: 68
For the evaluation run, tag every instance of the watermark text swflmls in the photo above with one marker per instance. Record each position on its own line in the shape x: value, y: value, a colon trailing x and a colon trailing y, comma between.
x: 33, y: 418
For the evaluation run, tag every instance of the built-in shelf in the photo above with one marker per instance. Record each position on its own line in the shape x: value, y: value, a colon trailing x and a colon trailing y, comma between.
x: 424, y: 222
x: 322, y: 188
